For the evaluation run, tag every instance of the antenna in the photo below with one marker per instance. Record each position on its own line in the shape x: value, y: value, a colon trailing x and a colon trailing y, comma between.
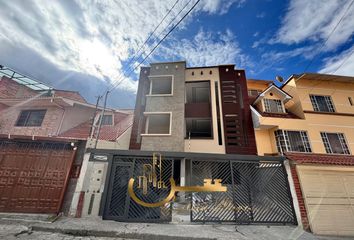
x: 279, y: 78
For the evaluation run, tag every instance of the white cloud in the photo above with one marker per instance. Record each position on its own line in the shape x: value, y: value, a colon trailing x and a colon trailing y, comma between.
x: 206, y: 49
x: 90, y: 37
x: 314, y: 20
x: 261, y: 15
x: 341, y: 64
x: 220, y: 7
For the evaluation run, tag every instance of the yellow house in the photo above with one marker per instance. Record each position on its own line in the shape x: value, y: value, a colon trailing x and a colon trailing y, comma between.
x: 310, y: 119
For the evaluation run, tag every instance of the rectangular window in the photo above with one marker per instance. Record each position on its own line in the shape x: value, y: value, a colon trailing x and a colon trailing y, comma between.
x: 273, y: 105
x: 292, y: 141
x: 335, y: 143
x: 158, y: 123
x: 198, y: 128
x: 107, y: 120
x: 198, y: 92
x: 31, y: 118
x: 322, y: 103
x: 350, y: 101
x: 161, y: 85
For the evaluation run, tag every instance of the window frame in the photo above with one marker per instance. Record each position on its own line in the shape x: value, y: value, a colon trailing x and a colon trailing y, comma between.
x: 150, y: 94
x: 28, y: 116
x: 146, y: 114
x: 266, y: 104
x: 342, y: 140
x: 328, y: 100
x: 285, y: 139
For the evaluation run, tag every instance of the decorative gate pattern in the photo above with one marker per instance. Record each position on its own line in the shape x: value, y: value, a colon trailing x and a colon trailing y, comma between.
x: 33, y: 176
x: 119, y: 206
x: 258, y: 192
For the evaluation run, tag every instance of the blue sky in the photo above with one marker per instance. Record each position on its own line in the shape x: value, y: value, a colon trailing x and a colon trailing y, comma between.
x: 85, y: 45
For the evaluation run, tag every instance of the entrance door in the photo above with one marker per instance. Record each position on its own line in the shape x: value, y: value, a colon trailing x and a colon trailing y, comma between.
x: 118, y: 199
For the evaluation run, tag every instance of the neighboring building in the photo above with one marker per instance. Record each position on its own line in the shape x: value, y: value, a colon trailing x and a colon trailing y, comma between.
x: 310, y: 120
x: 192, y: 124
x: 43, y: 137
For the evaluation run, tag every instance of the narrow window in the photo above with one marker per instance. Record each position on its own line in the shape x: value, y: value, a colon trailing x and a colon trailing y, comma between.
x: 350, y: 101
x: 322, y: 103
x: 158, y: 123
x: 161, y: 85
x: 31, y: 118
x: 273, y: 105
x: 335, y: 143
x: 292, y: 141
x: 218, y: 113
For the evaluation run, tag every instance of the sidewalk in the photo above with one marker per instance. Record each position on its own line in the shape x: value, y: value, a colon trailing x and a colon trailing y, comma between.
x: 99, y: 228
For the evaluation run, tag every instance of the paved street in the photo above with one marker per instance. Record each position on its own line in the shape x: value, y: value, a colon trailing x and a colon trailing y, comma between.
x: 95, y: 228
x: 18, y: 232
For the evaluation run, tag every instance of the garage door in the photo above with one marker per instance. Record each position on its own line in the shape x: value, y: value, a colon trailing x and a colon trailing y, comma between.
x: 33, y: 176
x: 329, y: 198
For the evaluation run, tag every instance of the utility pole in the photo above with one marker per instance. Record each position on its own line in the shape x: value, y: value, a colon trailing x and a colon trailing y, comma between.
x: 94, y: 116
x: 101, y: 118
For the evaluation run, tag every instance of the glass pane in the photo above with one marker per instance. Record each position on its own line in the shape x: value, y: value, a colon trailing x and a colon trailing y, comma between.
x: 296, y: 141
x: 159, y: 124
x: 198, y: 128
x: 36, y: 118
x: 335, y: 143
x: 107, y: 120
x: 161, y: 85
x: 198, y: 92
x: 21, y: 121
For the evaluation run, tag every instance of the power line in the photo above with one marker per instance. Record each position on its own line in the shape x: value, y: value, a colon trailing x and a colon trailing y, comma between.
x: 142, y: 45
x: 333, y: 30
x: 161, y: 40
x: 152, y: 33
x: 344, y: 61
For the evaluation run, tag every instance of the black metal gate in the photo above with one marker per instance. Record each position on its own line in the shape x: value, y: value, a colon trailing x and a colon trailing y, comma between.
x: 120, y: 207
x: 257, y: 192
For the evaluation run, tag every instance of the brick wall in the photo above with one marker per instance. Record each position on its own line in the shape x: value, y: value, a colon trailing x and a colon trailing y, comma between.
x: 49, y: 126
x: 11, y: 89
x: 303, y: 212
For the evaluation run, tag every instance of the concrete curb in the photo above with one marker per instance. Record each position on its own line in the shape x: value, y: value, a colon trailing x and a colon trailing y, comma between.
x: 113, y: 234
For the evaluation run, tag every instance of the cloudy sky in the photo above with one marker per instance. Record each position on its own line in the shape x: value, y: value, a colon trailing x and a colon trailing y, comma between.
x: 89, y: 45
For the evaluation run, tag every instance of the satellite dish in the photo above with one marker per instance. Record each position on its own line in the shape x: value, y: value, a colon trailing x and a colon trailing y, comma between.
x: 279, y: 78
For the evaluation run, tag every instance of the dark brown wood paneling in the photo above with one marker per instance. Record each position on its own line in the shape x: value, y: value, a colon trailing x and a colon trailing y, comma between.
x: 197, y: 110
x: 238, y: 126
x: 139, y: 120
x: 33, y: 176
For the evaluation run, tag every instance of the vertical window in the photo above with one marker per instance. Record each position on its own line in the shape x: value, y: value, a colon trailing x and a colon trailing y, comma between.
x: 158, y: 123
x: 273, y: 105
x: 31, y: 118
x: 161, y: 85
x: 322, y: 103
x: 292, y: 141
x: 350, y: 101
x: 335, y: 143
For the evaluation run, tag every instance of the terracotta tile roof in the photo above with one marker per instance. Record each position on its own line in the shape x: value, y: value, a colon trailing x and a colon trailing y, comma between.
x: 313, y: 158
x: 70, y: 95
x: 122, y: 121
